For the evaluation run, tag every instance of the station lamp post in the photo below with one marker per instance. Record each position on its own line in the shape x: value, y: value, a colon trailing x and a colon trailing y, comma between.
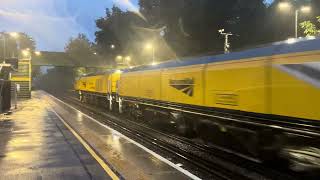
x: 14, y: 35
x: 303, y: 9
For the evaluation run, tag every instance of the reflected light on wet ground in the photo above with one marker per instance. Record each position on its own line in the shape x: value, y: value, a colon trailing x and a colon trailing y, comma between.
x: 24, y: 144
x: 114, y: 140
x: 34, y: 146
x: 79, y: 117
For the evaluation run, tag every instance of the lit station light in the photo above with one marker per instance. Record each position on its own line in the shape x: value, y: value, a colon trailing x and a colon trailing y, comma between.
x: 302, y: 9
x: 119, y: 57
x: 14, y: 34
x: 284, y: 5
x: 128, y: 58
x: 25, y: 52
x: 37, y: 53
x: 149, y: 46
x: 305, y: 9
x: 154, y: 63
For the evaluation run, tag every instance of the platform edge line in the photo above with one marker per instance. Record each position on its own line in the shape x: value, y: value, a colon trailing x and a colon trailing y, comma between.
x: 106, y: 168
x: 184, y: 171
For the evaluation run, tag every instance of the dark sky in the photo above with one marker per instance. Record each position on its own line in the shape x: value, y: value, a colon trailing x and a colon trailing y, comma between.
x: 52, y: 22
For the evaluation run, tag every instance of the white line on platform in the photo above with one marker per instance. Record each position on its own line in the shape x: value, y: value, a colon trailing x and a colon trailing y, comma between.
x: 105, y: 167
x: 187, y: 173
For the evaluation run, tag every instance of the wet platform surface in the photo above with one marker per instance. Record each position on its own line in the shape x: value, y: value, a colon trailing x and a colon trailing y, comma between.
x: 124, y: 155
x: 40, y: 140
x: 35, y: 144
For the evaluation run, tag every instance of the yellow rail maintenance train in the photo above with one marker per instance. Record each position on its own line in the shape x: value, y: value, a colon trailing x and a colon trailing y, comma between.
x: 258, y: 97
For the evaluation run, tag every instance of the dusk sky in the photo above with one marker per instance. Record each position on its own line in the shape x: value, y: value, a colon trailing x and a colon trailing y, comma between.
x: 52, y: 22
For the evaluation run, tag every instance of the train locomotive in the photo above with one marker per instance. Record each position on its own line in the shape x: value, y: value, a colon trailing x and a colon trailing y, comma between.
x: 259, y: 97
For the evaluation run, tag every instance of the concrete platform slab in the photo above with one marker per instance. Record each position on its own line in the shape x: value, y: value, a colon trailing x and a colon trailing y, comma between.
x: 35, y: 144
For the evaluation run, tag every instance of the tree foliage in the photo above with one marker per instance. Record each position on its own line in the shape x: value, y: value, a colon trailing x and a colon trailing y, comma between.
x: 190, y: 27
x: 119, y: 34
x: 81, y: 50
x: 26, y: 41
x: 310, y: 29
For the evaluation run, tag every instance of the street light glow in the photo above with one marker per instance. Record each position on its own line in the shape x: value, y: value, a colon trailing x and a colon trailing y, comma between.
x: 149, y: 46
x: 25, y: 52
x: 154, y: 63
x: 14, y: 34
x: 305, y: 9
x: 284, y: 5
x: 128, y: 58
x: 37, y: 53
x: 112, y: 46
x: 119, y: 57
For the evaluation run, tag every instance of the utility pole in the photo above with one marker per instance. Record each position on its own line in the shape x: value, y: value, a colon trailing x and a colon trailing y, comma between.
x: 226, y: 40
x: 296, y: 23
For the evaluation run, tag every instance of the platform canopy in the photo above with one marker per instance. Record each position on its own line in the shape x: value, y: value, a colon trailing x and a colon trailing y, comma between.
x: 62, y: 59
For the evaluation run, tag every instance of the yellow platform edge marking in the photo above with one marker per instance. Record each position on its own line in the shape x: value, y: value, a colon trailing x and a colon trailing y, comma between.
x: 106, y: 168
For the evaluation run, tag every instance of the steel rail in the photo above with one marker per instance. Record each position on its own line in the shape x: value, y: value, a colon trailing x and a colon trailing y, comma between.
x: 216, y: 166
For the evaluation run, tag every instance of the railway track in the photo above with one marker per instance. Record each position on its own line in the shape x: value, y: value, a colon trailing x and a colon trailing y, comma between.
x: 209, y: 162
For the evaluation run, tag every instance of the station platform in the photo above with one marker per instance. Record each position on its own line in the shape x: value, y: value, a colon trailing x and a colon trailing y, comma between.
x: 35, y: 144
x: 46, y: 138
